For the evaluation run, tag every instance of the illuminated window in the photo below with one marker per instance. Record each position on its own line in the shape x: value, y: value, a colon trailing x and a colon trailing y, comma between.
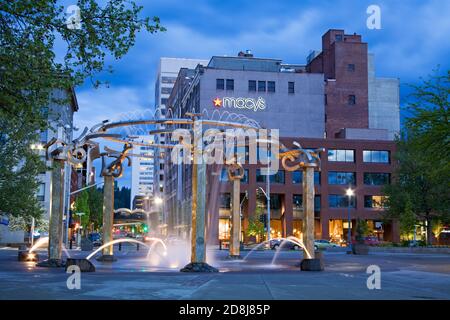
x: 376, y: 202
x: 224, y: 229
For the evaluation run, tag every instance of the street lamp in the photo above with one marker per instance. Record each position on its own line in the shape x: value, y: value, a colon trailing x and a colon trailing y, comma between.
x: 349, y: 193
x: 158, y: 200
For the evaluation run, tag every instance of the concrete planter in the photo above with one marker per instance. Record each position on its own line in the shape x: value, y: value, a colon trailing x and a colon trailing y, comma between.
x: 360, y: 248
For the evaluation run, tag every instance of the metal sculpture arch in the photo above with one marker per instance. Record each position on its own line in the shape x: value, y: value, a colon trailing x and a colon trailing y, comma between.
x: 75, y: 153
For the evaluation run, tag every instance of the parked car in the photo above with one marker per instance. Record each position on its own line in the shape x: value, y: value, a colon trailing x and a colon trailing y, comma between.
x: 95, y: 238
x: 324, y: 244
x: 287, y: 245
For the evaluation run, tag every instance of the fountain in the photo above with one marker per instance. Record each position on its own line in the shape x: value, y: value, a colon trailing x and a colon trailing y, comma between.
x: 75, y: 154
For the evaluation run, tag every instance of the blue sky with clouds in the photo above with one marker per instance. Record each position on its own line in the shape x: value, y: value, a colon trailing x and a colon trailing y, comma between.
x: 413, y: 40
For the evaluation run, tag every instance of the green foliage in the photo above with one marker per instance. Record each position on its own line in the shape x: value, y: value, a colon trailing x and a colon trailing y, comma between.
x: 407, y: 219
x: 362, y: 230
x: 82, y: 206
x: 122, y: 197
x: 31, y: 69
x: 255, y: 228
x: 422, y: 176
x: 95, y: 202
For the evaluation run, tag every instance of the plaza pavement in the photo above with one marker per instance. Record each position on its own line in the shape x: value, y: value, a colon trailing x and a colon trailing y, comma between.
x: 403, y: 276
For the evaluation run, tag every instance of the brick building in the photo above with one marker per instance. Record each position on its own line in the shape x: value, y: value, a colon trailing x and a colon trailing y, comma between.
x: 334, y: 101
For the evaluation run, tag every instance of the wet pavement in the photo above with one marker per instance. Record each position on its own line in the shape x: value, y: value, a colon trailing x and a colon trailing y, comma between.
x: 259, y: 276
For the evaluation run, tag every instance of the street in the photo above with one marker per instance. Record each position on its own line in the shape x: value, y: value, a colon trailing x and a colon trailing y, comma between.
x: 403, y: 276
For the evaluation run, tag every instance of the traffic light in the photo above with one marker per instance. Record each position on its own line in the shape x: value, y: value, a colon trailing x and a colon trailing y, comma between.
x: 145, y: 228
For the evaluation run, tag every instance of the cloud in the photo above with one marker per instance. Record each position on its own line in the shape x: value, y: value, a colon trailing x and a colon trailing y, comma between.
x: 415, y: 39
x: 96, y: 105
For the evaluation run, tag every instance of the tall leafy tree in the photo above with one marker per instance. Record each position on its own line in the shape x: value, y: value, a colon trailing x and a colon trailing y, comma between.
x: 81, y: 206
x: 30, y: 67
x: 421, y: 181
x: 95, y: 203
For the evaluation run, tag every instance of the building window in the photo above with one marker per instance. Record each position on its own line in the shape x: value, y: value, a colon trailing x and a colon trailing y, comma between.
x: 297, y: 177
x: 41, y: 192
x: 220, y: 84
x: 376, y: 156
x: 164, y: 101
x: 341, y: 155
x: 343, y: 178
x: 351, y: 100
x: 166, y: 90
x: 225, y: 201
x: 374, y: 202
x: 262, y: 86
x: 325, y: 99
x: 161, y: 177
x: 340, y: 201
x: 376, y: 179
x: 297, y: 203
x: 270, y: 86
x: 291, y: 87
x: 245, y: 177
x: 230, y: 84
x: 274, y: 178
x: 161, y: 166
x: 223, y: 175
x: 351, y: 67
x: 251, y: 85
x: 168, y: 79
x: 338, y: 37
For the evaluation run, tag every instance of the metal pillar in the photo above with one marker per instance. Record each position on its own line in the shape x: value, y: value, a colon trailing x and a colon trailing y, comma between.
x: 108, y: 217
x: 198, y: 236
x: 308, y: 210
x: 235, y: 234
x: 56, y: 217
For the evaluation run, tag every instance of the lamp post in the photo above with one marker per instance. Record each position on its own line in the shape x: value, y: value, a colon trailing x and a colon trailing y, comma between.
x: 349, y: 193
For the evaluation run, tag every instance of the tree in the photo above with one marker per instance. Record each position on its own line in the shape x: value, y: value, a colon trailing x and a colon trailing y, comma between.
x: 31, y: 68
x: 95, y: 202
x: 407, y: 219
x: 82, y: 206
x: 121, y: 197
x: 255, y: 228
x: 362, y: 230
x: 422, y: 175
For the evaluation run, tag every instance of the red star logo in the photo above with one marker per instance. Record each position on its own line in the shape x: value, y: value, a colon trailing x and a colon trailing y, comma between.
x: 217, y: 102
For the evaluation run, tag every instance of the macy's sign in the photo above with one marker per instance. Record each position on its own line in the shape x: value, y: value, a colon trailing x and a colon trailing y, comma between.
x: 241, y: 103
